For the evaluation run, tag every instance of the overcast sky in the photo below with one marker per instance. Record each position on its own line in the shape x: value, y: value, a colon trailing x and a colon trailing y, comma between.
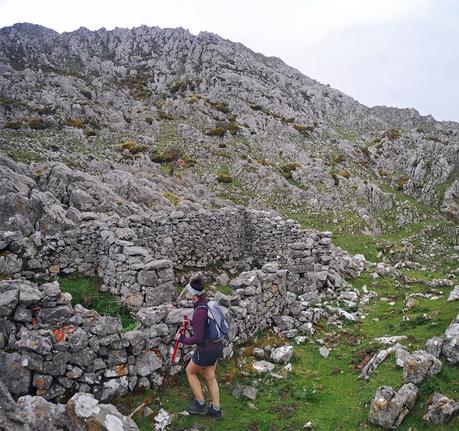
x: 402, y: 53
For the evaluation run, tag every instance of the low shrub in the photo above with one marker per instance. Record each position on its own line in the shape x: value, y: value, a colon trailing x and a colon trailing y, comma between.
x: 90, y: 132
x: 224, y: 177
x: 36, y: 123
x: 133, y: 147
x: 75, y: 122
x: 221, y: 106
x: 15, y: 125
x: 291, y: 166
x: 164, y: 115
x: 304, y: 130
x: 391, y: 134
x: 172, y: 198
x: 401, y: 182
x: 339, y: 158
x: 216, y: 131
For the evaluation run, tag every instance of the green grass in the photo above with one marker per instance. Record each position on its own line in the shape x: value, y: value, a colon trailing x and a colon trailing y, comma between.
x: 86, y: 291
x: 324, y: 391
x: 226, y: 290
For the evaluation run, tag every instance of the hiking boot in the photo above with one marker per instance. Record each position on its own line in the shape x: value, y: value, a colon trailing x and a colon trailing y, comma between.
x: 216, y: 414
x: 197, y: 409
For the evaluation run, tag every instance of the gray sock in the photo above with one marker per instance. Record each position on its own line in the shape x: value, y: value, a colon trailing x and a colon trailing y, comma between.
x: 200, y: 402
x: 216, y: 407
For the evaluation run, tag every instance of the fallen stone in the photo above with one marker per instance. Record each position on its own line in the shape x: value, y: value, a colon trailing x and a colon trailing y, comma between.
x: 441, y: 410
x: 389, y: 408
x: 282, y: 354
x: 85, y: 412
x: 147, y: 363
x: 324, y: 352
x: 391, y: 340
x: 16, y: 377
x: 454, y: 295
x: 162, y: 420
x: 259, y: 353
x: 434, y: 346
x: 250, y: 392
x: 420, y: 365
x: 374, y: 363
x: 450, y: 347
x: 263, y: 366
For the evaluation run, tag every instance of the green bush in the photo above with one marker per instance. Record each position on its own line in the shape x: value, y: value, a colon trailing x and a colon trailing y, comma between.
x: 90, y: 132
x: 172, y: 198
x: 289, y: 167
x: 365, y: 151
x: 75, y: 122
x: 401, y: 182
x: 224, y: 177
x: 15, y: 125
x: 86, y: 291
x: 221, y: 106
x: 133, y: 147
x: 343, y: 173
x: 36, y: 123
x: 180, y: 86
x: 335, y: 177
x: 304, y: 130
x: 391, y: 134
x: 216, y: 131
x: 433, y: 139
x: 164, y: 115
x: 339, y: 158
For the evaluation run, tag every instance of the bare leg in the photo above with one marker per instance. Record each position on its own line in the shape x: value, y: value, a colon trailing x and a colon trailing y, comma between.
x: 192, y: 372
x: 209, y: 374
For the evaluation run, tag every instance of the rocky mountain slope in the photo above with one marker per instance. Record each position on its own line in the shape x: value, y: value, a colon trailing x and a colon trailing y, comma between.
x: 207, y: 118
x: 129, y: 159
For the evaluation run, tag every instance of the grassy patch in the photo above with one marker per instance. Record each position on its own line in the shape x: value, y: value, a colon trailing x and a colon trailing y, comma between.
x: 324, y: 391
x: 86, y: 291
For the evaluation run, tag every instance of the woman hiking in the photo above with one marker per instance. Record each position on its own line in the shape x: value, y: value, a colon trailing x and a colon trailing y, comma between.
x: 206, y: 355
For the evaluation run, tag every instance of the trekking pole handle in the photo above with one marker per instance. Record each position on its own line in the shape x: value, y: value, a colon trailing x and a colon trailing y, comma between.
x: 180, y: 332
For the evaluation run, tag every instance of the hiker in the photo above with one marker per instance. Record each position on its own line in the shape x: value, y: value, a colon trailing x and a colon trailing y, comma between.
x: 206, y: 355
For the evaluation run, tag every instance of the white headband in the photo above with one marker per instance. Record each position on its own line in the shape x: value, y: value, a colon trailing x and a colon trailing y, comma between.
x: 192, y: 290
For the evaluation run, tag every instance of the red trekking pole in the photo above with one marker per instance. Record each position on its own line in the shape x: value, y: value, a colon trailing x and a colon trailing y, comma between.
x: 180, y: 332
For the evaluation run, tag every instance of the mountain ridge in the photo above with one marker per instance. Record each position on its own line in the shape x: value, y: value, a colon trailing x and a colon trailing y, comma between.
x: 273, y: 130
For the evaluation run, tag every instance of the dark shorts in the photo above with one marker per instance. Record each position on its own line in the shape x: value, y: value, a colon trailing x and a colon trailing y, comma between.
x: 206, y: 359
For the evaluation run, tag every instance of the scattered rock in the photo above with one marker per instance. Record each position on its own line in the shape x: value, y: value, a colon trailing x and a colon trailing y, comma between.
x: 162, y: 420
x: 391, y: 340
x: 282, y: 354
x: 441, y: 410
x: 250, y: 392
x: 389, y: 408
x: 324, y: 352
x: 259, y: 353
x: 263, y: 366
x: 420, y: 365
x: 454, y: 295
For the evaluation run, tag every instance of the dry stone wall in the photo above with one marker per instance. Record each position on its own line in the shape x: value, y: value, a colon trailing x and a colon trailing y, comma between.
x: 136, y: 258
x: 51, y: 349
